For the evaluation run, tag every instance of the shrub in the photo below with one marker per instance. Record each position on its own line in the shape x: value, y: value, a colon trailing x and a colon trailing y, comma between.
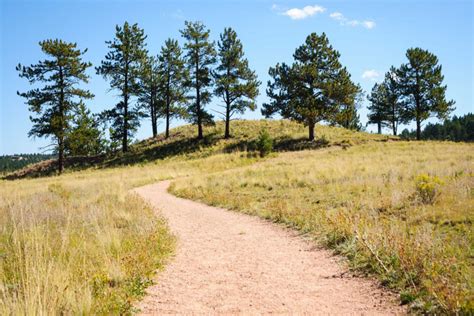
x: 427, y: 188
x: 264, y: 143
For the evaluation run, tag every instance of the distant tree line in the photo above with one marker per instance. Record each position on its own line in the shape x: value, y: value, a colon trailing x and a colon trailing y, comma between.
x: 10, y: 163
x: 458, y: 129
x: 179, y: 82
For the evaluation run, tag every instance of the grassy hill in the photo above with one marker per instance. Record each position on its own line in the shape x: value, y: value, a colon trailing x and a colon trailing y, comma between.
x: 182, y: 144
x: 400, y: 210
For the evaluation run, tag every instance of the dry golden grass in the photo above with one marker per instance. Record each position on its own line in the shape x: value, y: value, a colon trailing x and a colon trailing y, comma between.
x: 82, y: 243
x: 403, y: 210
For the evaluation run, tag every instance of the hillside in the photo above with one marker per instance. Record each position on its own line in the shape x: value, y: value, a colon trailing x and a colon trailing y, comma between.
x: 399, y: 210
x: 9, y: 163
x: 182, y: 144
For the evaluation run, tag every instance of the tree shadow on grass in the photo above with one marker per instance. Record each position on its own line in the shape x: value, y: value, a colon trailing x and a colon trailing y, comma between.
x: 163, y: 148
x: 280, y: 144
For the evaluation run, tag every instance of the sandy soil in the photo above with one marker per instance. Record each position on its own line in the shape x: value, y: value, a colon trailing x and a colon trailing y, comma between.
x: 231, y: 263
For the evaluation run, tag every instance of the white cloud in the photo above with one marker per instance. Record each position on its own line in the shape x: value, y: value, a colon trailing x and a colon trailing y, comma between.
x: 299, y: 14
x: 368, y: 24
x: 338, y: 16
x: 370, y: 74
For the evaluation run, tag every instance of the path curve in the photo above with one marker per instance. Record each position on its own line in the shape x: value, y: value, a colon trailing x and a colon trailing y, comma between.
x: 231, y: 263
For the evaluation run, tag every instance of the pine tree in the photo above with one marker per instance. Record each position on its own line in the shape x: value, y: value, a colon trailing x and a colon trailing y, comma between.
x: 200, y: 56
x: 84, y: 137
x: 422, y: 89
x: 313, y: 88
x: 149, y: 85
x: 173, y: 84
x: 394, y: 110
x: 55, y: 102
x: 122, y: 66
x: 236, y: 84
x: 349, y: 95
x: 114, y: 119
x: 377, y: 108
x: 386, y: 108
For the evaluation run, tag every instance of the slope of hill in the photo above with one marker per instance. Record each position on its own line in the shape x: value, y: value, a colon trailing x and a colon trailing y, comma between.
x: 288, y: 136
x: 402, y: 210
x: 9, y: 163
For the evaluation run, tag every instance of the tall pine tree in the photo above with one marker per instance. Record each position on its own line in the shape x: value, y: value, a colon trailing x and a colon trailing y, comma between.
x: 349, y: 96
x: 377, y: 108
x: 174, y: 77
x: 200, y: 56
x: 55, y: 102
x: 395, y: 113
x: 148, y: 92
x: 313, y: 88
x: 236, y: 84
x: 386, y: 108
x: 422, y: 89
x: 122, y: 66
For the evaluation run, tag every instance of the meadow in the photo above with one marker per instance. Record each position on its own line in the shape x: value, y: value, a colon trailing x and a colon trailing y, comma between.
x: 400, y: 210
x: 82, y: 242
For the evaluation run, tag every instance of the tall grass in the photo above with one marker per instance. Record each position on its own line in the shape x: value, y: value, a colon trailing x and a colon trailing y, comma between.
x: 367, y: 202
x: 82, y: 243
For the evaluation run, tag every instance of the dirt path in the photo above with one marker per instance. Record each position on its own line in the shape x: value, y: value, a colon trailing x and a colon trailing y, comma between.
x: 228, y: 262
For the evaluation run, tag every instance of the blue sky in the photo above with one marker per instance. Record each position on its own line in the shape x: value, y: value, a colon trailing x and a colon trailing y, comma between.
x: 370, y: 35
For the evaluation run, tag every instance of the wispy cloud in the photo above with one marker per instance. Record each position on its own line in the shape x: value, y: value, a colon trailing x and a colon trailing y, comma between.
x: 370, y: 74
x: 310, y: 10
x: 178, y: 14
x: 299, y: 14
x: 338, y: 16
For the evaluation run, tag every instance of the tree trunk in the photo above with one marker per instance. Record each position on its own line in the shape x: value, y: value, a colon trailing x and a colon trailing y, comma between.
x: 311, y: 130
x: 125, y: 113
x: 153, y: 120
x: 227, y: 116
x: 379, y: 128
x: 60, y: 154
x: 62, y: 127
x: 227, y: 125
x: 199, y: 118
x: 394, y: 128
x: 418, y: 108
x: 418, y: 129
x: 198, y: 100
x: 125, y: 125
x: 167, y: 132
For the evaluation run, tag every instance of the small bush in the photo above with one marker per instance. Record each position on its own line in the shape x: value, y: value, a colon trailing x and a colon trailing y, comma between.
x: 427, y: 188
x: 264, y: 143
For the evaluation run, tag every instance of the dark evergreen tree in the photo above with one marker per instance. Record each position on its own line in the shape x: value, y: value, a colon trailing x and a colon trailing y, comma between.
x: 456, y: 129
x: 200, y: 56
x: 313, y: 88
x: 174, y: 77
x: 122, y: 66
x: 395, y: 112
x: 114, y: 120
x: 377, y: 108
x: 84, y: 138
x: 350, y: 96
x: 421, y: 88
x: 236, y: 84
x: 55, y: 102
x: 148, y: 92
x: 386, y: 108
